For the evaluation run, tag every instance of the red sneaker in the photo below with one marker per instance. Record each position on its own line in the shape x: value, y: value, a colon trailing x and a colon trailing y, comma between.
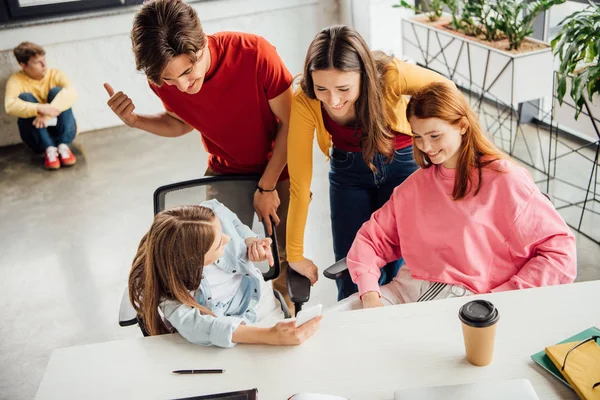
x: 51, y: 161
x: 67, y: 158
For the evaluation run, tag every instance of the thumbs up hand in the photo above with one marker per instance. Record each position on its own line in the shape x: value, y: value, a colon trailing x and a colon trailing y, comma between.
x: 122, y: 106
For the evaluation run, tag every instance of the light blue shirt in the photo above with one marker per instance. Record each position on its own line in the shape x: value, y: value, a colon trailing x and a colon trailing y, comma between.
x: 207, y: 330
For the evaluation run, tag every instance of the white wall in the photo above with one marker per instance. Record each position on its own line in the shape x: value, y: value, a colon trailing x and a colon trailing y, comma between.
x: 377, y: 21
x: 94, y: 50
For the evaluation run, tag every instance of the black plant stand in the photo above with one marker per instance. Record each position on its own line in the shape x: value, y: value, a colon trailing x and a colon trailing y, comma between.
x: 588, y: 154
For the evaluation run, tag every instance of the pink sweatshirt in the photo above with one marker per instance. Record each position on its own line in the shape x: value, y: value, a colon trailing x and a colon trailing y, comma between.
x: 507, y: 237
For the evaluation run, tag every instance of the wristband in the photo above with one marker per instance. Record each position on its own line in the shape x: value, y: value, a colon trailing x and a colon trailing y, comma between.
x: 261, y: 190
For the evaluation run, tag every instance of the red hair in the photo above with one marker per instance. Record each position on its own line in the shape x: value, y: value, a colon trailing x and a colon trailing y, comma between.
x: 446, y: 102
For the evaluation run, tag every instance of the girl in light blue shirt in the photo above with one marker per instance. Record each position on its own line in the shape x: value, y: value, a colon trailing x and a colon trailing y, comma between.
x: 194, y: 273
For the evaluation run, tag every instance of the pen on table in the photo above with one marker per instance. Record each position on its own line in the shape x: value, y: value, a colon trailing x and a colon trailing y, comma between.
x: 199, y: 371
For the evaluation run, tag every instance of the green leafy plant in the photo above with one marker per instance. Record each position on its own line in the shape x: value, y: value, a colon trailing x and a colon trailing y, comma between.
x: 578, y: 48
x: 515, y: 18
x: 510, y: 19
x: 453, y: 5
x: 433, y: 8
x: 468, y: 23
x: 480, y: 18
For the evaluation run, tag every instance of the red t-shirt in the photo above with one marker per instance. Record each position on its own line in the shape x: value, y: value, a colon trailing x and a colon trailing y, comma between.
x: 347, y: 138
x: 231, y: 110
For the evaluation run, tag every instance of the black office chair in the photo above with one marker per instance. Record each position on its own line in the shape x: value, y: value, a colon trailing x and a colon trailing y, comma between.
x: 339, y: 268
x: 237, y: 194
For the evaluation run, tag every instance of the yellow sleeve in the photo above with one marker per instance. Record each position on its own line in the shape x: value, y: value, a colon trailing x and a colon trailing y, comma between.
x: 300, y: 161
x: 67, y: 96
x: 13, y: 104
x: 411, y: 78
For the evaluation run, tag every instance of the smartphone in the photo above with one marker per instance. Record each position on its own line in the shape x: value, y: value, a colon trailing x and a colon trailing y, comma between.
x: 307, y: 314
x: 52, y: 121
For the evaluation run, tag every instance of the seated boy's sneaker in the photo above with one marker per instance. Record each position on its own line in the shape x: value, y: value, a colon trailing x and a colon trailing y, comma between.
x: 52, y: 161
x: 67, y: 158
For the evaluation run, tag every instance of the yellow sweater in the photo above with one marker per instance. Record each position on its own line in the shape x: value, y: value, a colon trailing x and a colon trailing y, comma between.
x: 20, y: 82
x: 400, y: 79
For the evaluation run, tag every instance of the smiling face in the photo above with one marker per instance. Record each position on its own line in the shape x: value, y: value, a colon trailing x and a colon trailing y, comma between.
x: 440, y: 140
x: 188, y: 77
x: 218, y: 247
x: 338, y: 91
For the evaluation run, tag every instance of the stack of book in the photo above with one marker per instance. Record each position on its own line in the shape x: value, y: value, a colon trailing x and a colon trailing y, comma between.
x: 581, y: 371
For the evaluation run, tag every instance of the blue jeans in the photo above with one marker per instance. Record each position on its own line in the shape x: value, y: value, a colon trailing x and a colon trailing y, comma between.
x: 355, y: 192
x: 39, y: 140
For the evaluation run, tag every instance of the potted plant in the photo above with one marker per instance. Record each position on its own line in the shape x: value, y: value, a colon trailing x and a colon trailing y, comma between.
x: 485, y: 47
x: 578, y: 48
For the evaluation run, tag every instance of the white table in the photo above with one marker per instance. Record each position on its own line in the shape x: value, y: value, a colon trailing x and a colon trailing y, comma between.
x: 364, y: 354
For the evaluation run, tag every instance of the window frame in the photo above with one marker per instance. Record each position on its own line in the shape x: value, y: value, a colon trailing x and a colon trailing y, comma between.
x: 12, y: 12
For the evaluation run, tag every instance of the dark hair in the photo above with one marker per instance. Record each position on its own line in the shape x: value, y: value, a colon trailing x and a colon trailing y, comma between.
x: 342, y: 48
x: 162, y: 30
x: 169, y: 263
x: 24, y: 51
x: 446, y: 102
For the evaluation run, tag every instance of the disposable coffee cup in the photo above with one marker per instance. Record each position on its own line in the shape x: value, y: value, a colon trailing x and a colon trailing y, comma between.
x: 479, y: 320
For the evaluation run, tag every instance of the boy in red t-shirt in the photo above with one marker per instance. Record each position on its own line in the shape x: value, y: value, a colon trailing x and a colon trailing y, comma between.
x: 231, y: 87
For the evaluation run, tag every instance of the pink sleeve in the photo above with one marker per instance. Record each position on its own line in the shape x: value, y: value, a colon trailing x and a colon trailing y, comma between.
x: 376, y: 243
x: 272, y: 72
x: 542, y: 239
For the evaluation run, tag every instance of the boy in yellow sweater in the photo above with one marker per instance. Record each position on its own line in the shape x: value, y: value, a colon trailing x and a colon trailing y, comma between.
x: 42, y: 98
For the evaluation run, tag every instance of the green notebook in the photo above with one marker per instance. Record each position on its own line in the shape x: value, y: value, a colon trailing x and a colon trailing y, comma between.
x: 544, y: 361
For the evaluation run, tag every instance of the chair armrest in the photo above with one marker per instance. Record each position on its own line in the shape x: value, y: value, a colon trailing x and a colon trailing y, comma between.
x: 275, y: 270
x: 127, y: 314
x: 337, y: 270
x: 298, y: 286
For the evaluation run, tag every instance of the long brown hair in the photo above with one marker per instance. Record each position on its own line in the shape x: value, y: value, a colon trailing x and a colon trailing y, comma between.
x: 162, y: 30
x: 444, y: 101
x: 169, y: 263
x: 342, y: 48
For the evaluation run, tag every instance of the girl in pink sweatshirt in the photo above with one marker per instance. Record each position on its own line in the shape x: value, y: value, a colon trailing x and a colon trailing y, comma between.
x: 469, y: 221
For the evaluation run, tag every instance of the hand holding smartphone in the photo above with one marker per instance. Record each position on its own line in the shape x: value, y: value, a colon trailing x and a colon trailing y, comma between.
x: 307, y: 314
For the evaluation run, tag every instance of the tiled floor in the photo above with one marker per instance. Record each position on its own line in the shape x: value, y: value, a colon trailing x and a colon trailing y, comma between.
x: 69, y: 237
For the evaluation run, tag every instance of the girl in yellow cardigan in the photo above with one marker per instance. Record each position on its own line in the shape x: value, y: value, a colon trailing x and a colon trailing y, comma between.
x: 355, y: 100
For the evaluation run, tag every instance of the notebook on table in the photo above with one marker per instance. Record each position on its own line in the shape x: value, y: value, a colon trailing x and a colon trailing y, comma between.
x: 579, y: 362
x: 544, y: 361
x: 496, y: 390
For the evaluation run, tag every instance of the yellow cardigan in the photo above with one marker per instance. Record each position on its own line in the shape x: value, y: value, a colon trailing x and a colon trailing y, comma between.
x: 400, y: 79
x: 20, y: 82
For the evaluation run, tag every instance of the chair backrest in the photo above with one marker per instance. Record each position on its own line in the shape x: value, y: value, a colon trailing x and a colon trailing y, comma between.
x: 235, y: 192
